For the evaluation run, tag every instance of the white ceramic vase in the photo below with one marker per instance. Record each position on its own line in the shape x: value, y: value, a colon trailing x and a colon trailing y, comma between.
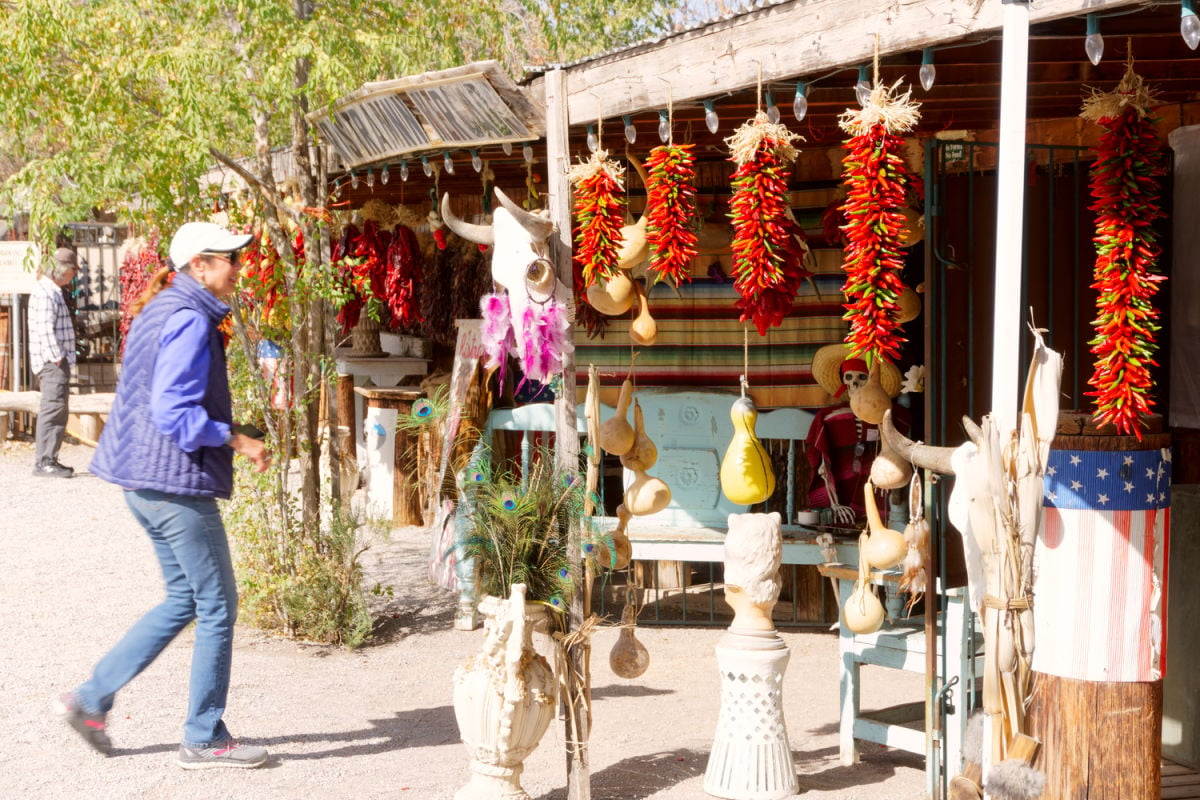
x: 504, y: 698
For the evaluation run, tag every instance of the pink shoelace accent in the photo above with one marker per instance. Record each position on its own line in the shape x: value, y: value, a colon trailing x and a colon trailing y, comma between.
x: 96, y: 724
x: 232, y: 746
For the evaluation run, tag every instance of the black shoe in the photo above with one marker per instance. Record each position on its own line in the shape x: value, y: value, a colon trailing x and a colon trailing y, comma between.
x: 52, y: 469
x: 89, y: 726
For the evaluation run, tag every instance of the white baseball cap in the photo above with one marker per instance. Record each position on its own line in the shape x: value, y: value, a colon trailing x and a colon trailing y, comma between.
x: 194, y: 238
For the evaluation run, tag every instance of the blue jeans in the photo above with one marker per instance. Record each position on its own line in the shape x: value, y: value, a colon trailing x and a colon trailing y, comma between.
x: 189, y: 540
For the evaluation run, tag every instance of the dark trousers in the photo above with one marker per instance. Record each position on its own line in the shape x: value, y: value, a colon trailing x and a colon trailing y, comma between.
x: 54, y: 382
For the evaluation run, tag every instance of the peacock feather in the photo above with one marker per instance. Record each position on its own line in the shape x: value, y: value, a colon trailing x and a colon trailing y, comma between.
x: 520, y: 526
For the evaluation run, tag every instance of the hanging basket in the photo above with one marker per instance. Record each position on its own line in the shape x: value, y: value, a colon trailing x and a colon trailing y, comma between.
x: 364, y: 338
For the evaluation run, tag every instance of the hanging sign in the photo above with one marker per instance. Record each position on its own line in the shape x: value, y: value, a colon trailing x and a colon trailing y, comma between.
x: 18, y: 267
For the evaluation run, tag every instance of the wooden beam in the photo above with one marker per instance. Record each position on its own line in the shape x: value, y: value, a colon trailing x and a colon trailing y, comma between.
x: 792, y: 41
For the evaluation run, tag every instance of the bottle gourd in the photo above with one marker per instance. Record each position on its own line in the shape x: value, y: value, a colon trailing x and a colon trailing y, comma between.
x: 746, y: 474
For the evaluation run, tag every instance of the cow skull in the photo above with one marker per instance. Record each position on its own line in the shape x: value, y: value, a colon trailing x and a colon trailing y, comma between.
x: 519, y: 256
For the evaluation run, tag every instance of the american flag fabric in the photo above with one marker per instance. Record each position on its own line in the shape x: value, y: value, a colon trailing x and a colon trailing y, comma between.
x: 1100, y: 566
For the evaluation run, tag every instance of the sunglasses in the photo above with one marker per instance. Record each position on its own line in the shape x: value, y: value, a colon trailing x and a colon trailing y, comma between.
x: 234, y: 258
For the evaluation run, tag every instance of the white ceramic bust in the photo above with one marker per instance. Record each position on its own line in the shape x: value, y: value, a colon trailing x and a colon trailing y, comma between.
x: 753, y: 549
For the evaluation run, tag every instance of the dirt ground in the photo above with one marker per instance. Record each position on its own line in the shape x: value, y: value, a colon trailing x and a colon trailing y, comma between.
x: 372, y: 723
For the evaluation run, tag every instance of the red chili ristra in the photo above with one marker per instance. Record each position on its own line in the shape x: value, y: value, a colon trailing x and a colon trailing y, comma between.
x: 1124, y: 184
x: 671, y: 210
x: 599, y: 209
x: 765, y: 275
x: 876, y: 183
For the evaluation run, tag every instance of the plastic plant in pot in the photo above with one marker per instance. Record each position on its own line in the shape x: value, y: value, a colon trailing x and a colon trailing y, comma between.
x: 504, y: 697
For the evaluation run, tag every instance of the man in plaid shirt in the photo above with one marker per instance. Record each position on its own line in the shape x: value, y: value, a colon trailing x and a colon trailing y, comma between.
x: 51, y: 354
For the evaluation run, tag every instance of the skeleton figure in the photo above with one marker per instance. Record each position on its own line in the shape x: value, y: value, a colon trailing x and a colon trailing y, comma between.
x: 841, y: 448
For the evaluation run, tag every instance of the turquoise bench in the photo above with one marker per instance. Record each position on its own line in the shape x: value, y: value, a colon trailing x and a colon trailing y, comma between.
x: 692, y: 431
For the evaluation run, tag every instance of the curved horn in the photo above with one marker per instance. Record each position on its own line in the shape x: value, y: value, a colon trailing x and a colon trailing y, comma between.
x: 925, y: 456
x: 974, y: 432
x: 480, y: 234
x: 536, y: 225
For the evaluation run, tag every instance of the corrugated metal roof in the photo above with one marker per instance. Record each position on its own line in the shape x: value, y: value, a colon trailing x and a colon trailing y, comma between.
x: 740, y: 10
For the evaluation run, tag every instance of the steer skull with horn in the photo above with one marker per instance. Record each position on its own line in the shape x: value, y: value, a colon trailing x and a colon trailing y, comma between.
x: 521, y: 267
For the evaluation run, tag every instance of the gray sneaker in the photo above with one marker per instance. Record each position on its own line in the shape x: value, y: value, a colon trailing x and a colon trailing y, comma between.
x: 226, y: 754
x: 90, y: 726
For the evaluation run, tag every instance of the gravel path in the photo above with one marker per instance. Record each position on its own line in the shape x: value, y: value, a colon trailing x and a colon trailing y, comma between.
x: 374, y: 723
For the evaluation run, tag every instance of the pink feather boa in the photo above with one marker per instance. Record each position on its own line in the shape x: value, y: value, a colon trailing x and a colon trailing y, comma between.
x: 497, y: 334
x: 546, y: 334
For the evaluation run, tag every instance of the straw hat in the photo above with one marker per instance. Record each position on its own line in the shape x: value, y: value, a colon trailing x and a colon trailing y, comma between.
x: 827, y: 365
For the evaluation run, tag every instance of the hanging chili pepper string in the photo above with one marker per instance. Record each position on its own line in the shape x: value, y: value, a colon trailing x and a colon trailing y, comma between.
x: 766, y: 268
x: 671, y: 211
x: 1125, y: 190
x: 877, y: 183
x: 599, y: 212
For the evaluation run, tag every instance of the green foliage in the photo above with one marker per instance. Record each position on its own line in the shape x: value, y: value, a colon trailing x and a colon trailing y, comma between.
x: 303, y: 580
x: 122, y: 106
x: 519, y: 528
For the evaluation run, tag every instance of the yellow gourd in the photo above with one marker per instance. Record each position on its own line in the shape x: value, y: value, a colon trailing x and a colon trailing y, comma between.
x: 616, y: 434
x: 884, y: 547
x: 746, y: 474
x: 908, y: 306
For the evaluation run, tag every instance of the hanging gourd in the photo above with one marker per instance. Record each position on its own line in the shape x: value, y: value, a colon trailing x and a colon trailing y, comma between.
x: 1129, y: 159
x: 645, y: 494
x: 871, y: 401
x: 876, y: 183
x: 746, y: 474
x: 643, y: 330
x: 616, y: 434
x: 629, y: 658
x: 612, y: 297
x: 862, y: 612
x: 766, y: 257
x: 884, y: 547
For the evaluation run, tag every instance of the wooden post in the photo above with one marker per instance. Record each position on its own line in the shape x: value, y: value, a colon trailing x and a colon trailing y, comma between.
x: 578, y: 679
x: 1101, y: 739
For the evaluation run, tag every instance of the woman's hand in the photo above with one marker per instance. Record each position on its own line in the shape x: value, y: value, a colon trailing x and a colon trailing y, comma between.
x: 253, y: 449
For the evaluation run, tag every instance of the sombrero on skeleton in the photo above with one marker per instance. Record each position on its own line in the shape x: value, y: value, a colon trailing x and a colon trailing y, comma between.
x: 827, y: 365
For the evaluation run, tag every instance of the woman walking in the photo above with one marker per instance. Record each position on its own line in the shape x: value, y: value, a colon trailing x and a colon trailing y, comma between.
x: 169, y: 442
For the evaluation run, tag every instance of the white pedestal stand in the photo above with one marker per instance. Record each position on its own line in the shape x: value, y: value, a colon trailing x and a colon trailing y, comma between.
x: 751, y: 758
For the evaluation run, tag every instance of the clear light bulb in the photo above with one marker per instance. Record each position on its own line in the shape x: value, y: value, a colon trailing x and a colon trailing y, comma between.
x: 1189, y: 24
x: 383, y: 175
x: 664, y: 127
x: 772, y: 109
x: 371, y: 178
x: 711, y: 121
x: 928, y: 72
x: 476, y: 161
x: 353, y: 179
x: 1093, y: 44
x: 592, y: 141
x: 527, y: 153
x: 630, y: 131
x: 862, y: 89
x: 507, y: 148
x: 404, y: 170
x: 425, y: 165
x: 800, y: 102
x: 448, y: 162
